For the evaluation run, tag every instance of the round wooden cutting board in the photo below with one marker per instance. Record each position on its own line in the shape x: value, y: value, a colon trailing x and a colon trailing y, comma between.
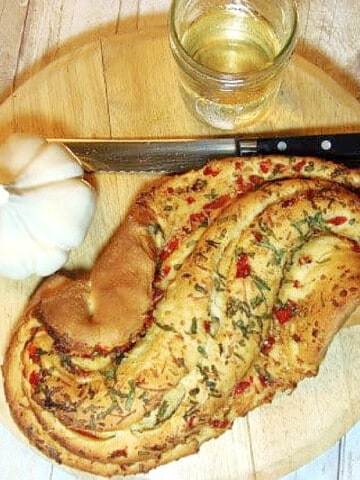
x: 125, y: 86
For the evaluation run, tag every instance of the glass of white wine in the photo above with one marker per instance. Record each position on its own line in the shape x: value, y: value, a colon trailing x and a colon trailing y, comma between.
x: 231, y: 56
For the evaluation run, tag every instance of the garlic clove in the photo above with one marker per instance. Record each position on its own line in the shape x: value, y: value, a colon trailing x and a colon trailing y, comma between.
x: 15, y: 253
x: 20, y: 253
x: 16, y: 153
x: 49, y: 260
x: 53, y: 163
x: 4, y: 195
x: 49, y: 215
x: 22, y: 265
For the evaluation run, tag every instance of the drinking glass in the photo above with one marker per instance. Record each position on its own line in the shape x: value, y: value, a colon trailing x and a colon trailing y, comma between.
x: 231, y: 56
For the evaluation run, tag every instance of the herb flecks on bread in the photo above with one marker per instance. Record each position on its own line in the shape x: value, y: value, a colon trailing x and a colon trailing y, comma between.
x: 222, y: 287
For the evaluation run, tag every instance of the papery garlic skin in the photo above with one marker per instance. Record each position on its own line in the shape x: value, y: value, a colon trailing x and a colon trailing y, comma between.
x: 46, y: 206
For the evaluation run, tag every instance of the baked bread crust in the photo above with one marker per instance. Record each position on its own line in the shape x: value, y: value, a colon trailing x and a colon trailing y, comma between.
x: 236, y: 279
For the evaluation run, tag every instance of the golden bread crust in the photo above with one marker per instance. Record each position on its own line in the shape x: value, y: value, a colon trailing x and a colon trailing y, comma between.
x: 222, y: 287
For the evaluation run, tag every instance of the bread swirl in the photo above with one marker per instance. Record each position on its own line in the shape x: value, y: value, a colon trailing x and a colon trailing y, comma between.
x: 222, y: 287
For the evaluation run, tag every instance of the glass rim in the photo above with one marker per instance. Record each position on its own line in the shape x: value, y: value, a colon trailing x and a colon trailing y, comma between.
x: 199, y: 70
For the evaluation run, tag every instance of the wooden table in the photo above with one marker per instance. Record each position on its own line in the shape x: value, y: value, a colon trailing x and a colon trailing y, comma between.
x: 33, y: 34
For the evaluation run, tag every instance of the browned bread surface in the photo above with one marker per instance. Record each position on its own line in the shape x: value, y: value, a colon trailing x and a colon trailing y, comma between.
x: 222, y: 287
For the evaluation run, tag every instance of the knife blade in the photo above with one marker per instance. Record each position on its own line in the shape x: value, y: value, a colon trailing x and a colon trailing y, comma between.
x: 180, y: 155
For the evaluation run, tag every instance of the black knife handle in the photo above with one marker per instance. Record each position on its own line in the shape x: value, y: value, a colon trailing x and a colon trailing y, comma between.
x: 342, y: 146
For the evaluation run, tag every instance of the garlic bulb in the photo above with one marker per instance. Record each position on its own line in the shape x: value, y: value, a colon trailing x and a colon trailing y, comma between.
x: 45, y: 206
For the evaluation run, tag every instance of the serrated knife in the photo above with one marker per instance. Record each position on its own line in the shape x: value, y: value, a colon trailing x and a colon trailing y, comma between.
x: 180, y: 155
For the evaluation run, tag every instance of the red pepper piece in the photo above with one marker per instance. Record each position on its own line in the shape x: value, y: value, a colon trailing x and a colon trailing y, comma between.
x: 256, y: 179
x: 166, y: 270
x: 268, y: 344
x: 207, y: 326
x: 242, y: 185
x: 101, y: 350
x: 279, y: 168
x: 289, y: 202
x: 122, y: 452
x: 258, y: 236
x: 220, y: 423
x: 265, y: 165
x: 264, y: 380
x: 241, y: 386
x: 190, y: 200
x: 339, y: 220
x: 217, y: 203
x: 191, y: 421
x: 311, y: 195
x: 197, y: 219
x: 243, y: 268
x: 299, y: 166
x: 284, y: 314
x: 210, y: 171
x: 34, y: 379
x: 169, y: 249
x: 34, y: 352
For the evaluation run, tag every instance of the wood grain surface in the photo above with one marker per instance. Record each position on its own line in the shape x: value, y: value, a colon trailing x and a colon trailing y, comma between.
x: 33, y: 35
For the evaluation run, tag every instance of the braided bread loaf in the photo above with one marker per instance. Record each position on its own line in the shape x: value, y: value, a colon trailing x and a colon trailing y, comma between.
x: 222, y: 287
